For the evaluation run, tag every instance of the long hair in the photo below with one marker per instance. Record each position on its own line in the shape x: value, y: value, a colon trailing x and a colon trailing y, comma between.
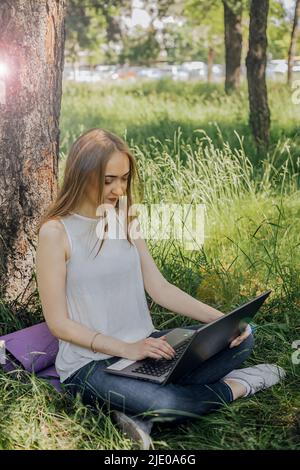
x: 89, y: 154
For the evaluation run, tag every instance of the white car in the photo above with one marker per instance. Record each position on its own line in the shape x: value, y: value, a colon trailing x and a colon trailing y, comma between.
x: 277, y: 66
x: 296, y: 66
x: 151, y: 73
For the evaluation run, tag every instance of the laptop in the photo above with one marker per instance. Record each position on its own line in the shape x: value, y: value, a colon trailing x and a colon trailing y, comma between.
x: 192, y: 347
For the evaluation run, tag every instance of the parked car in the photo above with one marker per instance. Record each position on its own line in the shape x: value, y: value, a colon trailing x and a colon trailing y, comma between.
x: 180, y: 73
x: 276, y: 67
x: 151, y: 73
x: 296, y: 66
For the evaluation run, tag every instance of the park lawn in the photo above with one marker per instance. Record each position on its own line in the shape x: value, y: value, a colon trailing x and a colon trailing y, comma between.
x: 140, y: 110
x: 196, y: 142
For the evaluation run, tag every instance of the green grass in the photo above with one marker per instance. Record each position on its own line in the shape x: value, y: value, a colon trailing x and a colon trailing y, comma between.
x: 196, y: 142
x: 138, y: 111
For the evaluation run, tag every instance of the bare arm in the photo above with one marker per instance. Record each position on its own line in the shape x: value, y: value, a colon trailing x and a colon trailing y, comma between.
x: 169, y: 296
x: 51, y: 278
x: 178, y: 301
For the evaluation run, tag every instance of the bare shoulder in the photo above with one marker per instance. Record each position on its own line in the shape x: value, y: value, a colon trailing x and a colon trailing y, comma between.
x: 51, y: 229
x: 53, y: 233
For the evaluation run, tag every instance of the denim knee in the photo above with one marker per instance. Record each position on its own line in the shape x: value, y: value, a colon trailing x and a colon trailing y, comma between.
x: 169, y: 409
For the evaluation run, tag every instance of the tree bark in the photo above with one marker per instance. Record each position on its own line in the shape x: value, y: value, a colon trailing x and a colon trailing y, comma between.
x: 31, y: 44
x: 210, y: 63
x: 233, y: 45
x: 292, y: 48
x: 256, y: 72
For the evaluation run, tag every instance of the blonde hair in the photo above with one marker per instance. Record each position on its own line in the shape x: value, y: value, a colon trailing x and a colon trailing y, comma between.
x: 89, y: 154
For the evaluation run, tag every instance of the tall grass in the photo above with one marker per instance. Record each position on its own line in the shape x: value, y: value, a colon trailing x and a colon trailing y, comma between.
x: 192, y: 145
x: 138, y: 111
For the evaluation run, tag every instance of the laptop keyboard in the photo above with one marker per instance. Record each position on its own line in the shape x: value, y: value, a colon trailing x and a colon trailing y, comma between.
x: 159, y: 367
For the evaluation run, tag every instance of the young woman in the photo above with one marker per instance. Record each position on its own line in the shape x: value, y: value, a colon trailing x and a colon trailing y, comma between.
x: 92, y: 289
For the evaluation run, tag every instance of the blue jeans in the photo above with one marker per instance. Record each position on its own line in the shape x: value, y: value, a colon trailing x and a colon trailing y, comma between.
x: 193, y: 395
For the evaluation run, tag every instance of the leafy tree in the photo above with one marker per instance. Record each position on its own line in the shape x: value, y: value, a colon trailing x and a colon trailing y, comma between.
x: 141, y: 49
x: 94, y: 26
x: 278, y: 31
x: 146, y: 45
x: 206, y: 19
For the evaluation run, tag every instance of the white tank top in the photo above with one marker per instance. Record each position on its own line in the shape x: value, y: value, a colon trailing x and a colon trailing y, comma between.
x: 105, y: 293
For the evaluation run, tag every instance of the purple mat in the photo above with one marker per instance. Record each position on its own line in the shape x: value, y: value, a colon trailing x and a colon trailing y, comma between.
x: 35, y: 349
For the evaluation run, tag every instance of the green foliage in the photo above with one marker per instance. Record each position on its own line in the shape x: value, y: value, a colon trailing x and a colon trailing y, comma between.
x: 92, y: 26
x: 142, y: 49
x: 193, y: 141
x: 159, y: 108
x: 206, y: 23
x: 279, y: 31
x: 96, y: 27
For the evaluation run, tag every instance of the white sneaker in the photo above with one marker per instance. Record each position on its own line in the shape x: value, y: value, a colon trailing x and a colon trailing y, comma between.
x: 257, y: 377
x: 134, y: 428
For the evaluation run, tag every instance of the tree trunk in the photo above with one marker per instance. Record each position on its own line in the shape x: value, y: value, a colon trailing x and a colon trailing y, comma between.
x: 233, y: 45
x: 256, y: 72
x: 210, y: 63
x: 31, y: 45
x: 292, y: 48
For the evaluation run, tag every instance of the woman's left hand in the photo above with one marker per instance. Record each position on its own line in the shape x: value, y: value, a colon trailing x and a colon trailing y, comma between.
x: 239, y: 339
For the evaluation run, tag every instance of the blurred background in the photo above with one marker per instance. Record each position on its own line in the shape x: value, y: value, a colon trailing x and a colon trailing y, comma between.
x: 135, y: 40
x: 207, y: 96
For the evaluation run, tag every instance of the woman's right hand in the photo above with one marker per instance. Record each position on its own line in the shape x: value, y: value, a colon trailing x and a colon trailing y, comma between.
x: 156, y: 348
